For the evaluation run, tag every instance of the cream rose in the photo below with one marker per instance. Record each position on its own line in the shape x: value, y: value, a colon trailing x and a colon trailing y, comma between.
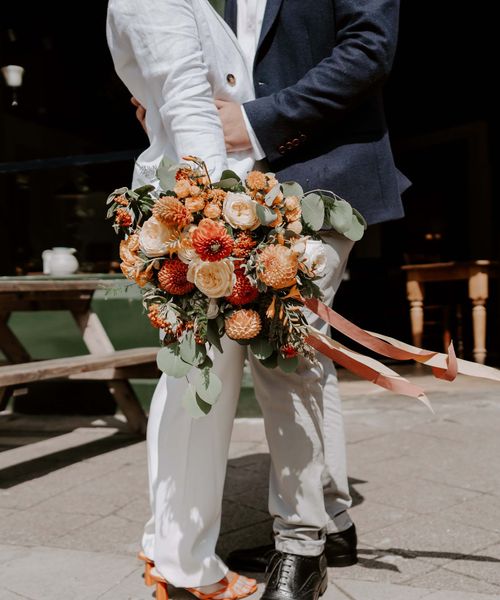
x: 156, y: 238
x: 214, y: 279
x: 312, y: 254
x: 240, y: 211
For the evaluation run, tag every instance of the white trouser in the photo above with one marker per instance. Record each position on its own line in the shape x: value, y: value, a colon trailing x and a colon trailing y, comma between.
x: 187, y: 457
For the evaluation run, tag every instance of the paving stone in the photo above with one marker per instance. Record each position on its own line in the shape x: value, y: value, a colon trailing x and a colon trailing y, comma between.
x: 482, y: 511
x: 131, y: 587
x: 484, y: 565
x: 38, y: 527
x: 421, y: 496
x: 370, y: 516
x: 444, y: 579
x: 453, y: 595
x: 433, y: 539
x: 11, y: 552
x: 61, y: 574
x: 110, y: 534
x: 137, y: 510
x: 235, y: 516
x: 361, y: 590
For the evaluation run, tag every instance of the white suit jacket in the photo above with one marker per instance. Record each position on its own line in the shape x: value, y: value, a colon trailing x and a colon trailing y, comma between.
x: 175, y: 57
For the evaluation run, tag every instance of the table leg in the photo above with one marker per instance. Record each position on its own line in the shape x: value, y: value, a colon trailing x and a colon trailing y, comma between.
x: 97, y: 341
x: 478, y: 293
x: 415, y: 295
x: 14, y: 351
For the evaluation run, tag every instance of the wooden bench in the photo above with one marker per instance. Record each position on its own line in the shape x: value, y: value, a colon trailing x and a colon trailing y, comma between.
x: 113, y: 366
x: 73, y: 294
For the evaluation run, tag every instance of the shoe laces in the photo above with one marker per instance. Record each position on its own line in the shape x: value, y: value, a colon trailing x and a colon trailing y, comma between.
x: 286, y: 566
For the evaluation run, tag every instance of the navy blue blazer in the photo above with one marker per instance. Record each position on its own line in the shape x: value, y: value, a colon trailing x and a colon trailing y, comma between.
x: 319, y: 115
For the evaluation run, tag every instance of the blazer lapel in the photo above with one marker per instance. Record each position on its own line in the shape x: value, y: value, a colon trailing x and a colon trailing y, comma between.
x: 231, y: 14
x: 272, y: 10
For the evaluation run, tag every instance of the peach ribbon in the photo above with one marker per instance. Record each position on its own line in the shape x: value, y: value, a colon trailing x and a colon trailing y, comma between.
x: 444, y: 366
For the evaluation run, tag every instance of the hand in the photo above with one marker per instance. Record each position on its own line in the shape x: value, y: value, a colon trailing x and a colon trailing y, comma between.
x: 140, y: 112
x: 233, y: 125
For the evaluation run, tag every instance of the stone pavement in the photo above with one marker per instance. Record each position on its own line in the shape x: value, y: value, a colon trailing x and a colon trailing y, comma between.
x: 426, y: 492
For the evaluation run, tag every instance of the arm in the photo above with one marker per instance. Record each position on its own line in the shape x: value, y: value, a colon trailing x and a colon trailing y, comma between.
x: 361, y: 59
x: 164, y: 41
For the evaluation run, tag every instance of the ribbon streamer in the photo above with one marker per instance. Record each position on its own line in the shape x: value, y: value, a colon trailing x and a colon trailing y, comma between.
x: 444, y: 366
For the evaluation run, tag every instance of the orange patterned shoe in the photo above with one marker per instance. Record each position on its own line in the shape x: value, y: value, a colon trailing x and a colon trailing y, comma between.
x: 148, y: 565
x: 231, y: 587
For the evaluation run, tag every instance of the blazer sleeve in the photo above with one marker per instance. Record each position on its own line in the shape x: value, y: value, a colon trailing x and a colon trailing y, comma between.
x: 165, y: 43
x: 362, y: 58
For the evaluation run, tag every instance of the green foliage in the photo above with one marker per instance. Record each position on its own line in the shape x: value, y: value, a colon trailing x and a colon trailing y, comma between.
x: 289, y: 365
x: 191, y: 352
x: 166, y: 173
x: 170, y: 362
x: 193, y: 404
x: 313, y: 211
x: 261, y: 348
x: 292, y: 188
x: 265, y: 214
x: 208, y: 386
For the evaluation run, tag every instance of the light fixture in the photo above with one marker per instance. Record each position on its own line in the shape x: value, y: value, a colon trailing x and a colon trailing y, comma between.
x: 13, y: 75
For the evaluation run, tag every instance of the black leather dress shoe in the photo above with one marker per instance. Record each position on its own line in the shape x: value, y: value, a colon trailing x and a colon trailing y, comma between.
x: 294, y: 577
x: 340, y: 551
x: 341, y: 548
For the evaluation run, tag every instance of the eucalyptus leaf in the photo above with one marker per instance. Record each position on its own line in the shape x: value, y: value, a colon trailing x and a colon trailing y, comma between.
x: 289, y: 365
x: 190, y: 403
x: 144, y: 190
x: 228, y: 174
x: 227, y: 184
x: 213, y: 334
x: 356, y: 231
x: 191, y: 352
x: 313, y: 211
x: 118, y: 192
x: 271, y: 362
x: 271, y: 195
x: 341, y: 216
x: 292, y: 188
x: 170, y: 362
x: 265, y: 214
x: 261, y: 348
x: 208, y: 386
x: 111, y: 212
x: 359, y: 217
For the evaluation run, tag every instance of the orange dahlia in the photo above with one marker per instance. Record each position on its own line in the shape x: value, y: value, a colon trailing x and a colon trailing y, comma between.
x: 172, y: 277
x: 277, y: 266
x: 170, y: 211
x: 256, y: 180
x: 243, y: 291
x: 243, y: 245
x: 211, y: 241
x: 243, y: 324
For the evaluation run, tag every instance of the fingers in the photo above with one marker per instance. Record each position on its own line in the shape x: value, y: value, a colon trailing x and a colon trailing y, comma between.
x: 135, y: 102
x: 220, y: 103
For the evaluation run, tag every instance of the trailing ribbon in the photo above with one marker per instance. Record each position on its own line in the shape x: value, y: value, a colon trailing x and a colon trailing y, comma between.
x: 444, y: 366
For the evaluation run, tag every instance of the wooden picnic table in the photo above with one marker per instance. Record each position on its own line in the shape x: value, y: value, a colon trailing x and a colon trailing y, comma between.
x: 74, y: 294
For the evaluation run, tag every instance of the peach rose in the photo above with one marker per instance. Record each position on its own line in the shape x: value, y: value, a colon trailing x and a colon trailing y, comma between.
x: 212, y: 211
x: 182, y: 188
x: 194, y: 204
x: 292, y: 202
x: 157, y: 239
x: 214, y: 279
x: 295, y: 226
x: 240, y: 211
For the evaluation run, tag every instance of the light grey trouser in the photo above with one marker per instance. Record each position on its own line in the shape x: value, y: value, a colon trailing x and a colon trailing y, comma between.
x: 308, y: 491
x: 187, y: 458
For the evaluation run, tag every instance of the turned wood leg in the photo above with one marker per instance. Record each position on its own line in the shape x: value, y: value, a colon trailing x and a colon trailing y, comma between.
x: 478, y: 293
x: 415, y: 294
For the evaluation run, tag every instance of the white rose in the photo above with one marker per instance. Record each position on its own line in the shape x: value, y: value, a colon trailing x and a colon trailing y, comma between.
x: 214, y: 279
x: 240, y: 211
x: 156, y: 239
x: 312, y: 254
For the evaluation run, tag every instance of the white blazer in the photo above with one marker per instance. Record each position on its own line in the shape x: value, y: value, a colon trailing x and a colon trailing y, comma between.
x: 175, y: 57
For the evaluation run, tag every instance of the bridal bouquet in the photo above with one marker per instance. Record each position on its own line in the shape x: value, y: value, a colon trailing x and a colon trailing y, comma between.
x: 235, y: 258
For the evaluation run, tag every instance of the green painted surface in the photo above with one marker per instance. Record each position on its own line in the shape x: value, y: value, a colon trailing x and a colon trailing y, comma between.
x: 54, y: 334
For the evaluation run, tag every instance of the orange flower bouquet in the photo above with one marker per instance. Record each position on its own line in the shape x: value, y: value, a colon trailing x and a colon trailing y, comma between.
x: 229, y: 258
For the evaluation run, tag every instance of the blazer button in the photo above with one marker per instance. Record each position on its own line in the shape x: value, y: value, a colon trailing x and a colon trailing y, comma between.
x: 231, y: 79
x: 296, y: 142
x: 282, y: 149
x: 302, y: 137
x: 289, y: 146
